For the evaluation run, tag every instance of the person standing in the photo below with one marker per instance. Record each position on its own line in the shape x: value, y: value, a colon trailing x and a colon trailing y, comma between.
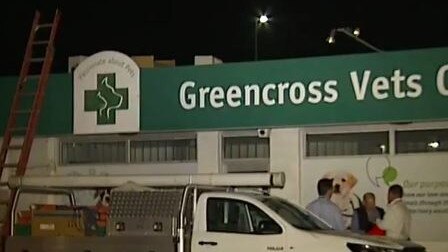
x: 365, y: 216
x: 324, y: 208
x: 397, y: 220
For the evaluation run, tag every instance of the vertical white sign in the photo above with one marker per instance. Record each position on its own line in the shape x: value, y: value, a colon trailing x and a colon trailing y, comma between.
x: 106, y: 94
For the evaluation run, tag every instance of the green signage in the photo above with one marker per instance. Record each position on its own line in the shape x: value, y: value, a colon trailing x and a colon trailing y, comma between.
x: 56, y: 117
x: 403, y: 86
x: 106, y: 99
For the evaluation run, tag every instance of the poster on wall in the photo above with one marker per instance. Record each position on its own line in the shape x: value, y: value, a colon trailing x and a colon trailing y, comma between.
x: 424, y: 178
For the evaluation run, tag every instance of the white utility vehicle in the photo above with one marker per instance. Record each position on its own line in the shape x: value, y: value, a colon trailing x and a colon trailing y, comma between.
x: 196, y: 213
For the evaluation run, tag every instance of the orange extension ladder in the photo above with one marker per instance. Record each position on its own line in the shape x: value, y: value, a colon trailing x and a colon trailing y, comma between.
x: 27, y: 101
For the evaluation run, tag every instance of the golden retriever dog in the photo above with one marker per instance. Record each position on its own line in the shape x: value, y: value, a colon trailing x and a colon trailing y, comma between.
x: 343, y: 193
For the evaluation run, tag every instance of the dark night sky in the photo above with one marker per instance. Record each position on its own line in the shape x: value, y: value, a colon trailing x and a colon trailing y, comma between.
x: 182, y: 29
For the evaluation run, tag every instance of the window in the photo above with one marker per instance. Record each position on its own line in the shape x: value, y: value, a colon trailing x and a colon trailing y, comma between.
x: 347, y: 144
x: 245, y: 151
x: 128, y: 149
x: 261, y: 222
x: 84, y: 152
x: 416, y: 141
x: 234, y: 216
x: 246, y: 147
x: 163, y: 150
x: 293, y: 215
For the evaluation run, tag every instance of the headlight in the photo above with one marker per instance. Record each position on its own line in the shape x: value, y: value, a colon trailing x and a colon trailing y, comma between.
x: 356, y: 247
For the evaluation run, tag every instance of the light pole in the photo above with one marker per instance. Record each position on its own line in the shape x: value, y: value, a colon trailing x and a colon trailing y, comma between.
x: 259, y: 20
x: 354, y: 34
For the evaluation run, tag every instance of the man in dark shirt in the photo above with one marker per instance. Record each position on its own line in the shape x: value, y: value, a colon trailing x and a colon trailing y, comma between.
x: 364, y: 217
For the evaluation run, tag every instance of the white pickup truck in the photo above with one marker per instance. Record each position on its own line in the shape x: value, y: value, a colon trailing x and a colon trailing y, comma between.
x: 198, y: 213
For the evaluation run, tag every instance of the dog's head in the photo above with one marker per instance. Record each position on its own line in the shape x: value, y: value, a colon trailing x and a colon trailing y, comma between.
x: 103, y: 196
x: 343, y: 182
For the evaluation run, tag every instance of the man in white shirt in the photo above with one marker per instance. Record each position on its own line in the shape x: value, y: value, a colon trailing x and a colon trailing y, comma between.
x: 397, y: 220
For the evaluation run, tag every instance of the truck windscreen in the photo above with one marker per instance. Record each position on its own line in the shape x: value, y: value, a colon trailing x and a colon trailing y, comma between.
x: 293, y: 215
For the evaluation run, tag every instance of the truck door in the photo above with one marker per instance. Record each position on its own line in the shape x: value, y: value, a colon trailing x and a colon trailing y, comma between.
x: 235, y: 225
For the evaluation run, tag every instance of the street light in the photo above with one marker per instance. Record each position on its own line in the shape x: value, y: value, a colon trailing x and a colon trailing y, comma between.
x: 354, y: 34
x: 263, y: 19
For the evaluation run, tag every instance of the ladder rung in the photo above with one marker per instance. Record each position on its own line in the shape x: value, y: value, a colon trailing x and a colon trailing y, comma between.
x: 23, y: 111
x: 9, y: 165
x: 15, y: 147
x: 49, y: 25
x: 41, y: 42
x: 27, y: 94
x: 37, y: 59
x: 23, y: 129
x: 32, y: 77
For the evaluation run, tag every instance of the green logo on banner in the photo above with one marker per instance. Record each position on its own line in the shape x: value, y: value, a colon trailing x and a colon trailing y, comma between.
x: 106, y: 99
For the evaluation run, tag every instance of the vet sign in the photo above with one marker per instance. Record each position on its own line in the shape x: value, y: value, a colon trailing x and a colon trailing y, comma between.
x: 396, y: 86
x: 106, y: 89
